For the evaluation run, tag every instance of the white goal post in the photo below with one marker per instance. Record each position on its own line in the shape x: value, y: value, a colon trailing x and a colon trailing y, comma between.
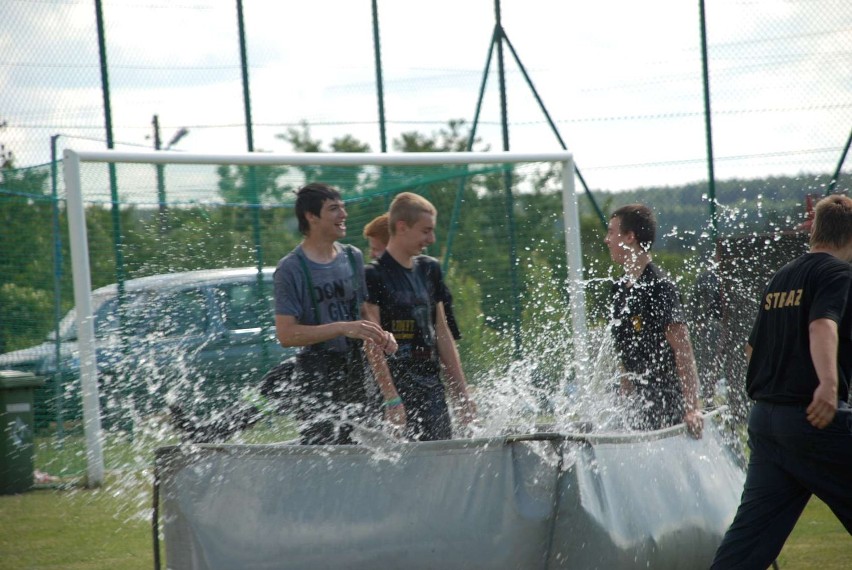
x: 80, y: 253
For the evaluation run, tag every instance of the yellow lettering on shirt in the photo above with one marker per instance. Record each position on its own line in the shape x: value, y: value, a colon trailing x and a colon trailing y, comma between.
x: 637, y: 323
x: 782, y: 299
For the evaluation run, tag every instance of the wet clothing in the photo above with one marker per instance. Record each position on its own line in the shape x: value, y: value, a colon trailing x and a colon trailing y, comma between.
x: 640, y: 315
x: 333, y: 388
x: 335, y: 293
x: 407, y: 299
x: 790, y: 459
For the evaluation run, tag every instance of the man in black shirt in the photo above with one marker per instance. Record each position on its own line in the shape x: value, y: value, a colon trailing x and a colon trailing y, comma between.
x: 800, y: 363
x: 406, y: 295
x: 649, y: 330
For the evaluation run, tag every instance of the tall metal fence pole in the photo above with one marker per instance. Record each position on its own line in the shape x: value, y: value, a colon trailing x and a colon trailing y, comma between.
x: 253, y: 191
x: 113, y: 179
x: 708, y: 127
x: 57, y: 290
x: 377, y: 48
x: 507, y: 182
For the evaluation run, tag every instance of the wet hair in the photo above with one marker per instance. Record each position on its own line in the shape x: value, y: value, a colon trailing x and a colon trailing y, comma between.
x: 408, y: 207
x: 639, y: 219
x: 832, y: 222
x: 310, y: 198
x: 379, y: 228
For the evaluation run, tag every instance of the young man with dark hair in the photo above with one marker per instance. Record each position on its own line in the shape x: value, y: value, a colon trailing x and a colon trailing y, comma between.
x: 407, y: 295
x: 649, y: 329
x: 800, y: 364
x: 319, y: 290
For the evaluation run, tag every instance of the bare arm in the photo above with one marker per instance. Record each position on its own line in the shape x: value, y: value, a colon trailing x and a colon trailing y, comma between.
x: 451, y: 365
x: 823, y: 345
x: 291, y: 333
x: 677, y: 334
x: 375, y: 355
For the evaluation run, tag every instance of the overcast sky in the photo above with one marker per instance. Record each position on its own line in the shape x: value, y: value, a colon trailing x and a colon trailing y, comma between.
x: 622, y: 79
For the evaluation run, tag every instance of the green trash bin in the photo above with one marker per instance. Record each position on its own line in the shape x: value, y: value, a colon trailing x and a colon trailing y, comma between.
x: 16, y: 430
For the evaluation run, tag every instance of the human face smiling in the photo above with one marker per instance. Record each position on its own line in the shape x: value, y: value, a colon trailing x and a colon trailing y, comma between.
x: 420, y: 235
x: 332, y: 219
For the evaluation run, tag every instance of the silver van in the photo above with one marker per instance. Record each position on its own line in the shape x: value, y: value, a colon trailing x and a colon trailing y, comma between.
x: 199, y: 337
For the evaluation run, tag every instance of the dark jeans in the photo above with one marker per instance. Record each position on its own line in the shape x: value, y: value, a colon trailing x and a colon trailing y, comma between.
x: 333, y: 395
x: 426, y: 409
x: 790, y: 460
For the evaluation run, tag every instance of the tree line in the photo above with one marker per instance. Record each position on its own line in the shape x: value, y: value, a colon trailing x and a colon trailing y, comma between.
x: 495, y: 294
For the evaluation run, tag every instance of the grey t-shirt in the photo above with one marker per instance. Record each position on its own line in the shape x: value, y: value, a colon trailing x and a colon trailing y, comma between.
x: 338, y: 295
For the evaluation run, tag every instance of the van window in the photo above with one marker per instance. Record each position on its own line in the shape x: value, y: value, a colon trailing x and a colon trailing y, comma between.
x: 180, y: 313
x: 244, y: 307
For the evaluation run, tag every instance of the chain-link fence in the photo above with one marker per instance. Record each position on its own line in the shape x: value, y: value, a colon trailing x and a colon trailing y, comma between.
x: 619, y: 83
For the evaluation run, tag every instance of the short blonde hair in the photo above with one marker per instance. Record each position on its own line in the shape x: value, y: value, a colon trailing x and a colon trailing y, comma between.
x: 408, y: 207
x: 379, y: 229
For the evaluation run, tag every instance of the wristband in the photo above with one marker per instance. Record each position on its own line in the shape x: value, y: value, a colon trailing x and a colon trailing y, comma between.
x: 392, y: 403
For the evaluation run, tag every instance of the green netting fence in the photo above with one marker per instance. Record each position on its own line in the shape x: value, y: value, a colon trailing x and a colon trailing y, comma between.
x: 500, y: 238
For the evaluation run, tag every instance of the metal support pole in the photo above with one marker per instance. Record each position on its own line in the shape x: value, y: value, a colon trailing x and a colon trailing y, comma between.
x: 711, y: 176
x: 161, y: 179
x: 454, y: 218
x: 58, y: 388
x: 379, y: 81
x: 85, y: 321
x: 254, y: 192
x: 553, y: 128
x: 507, y: 183
x: 836, y: 176
x: 113, y: 180
x: 574, y: 254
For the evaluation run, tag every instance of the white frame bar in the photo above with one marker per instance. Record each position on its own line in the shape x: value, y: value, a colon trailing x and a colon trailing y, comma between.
x: 80, y: 247
x: 85, y: 321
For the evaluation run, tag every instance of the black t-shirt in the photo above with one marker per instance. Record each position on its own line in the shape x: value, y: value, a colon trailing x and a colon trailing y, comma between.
x: 408, y: 299
x: 641, y: 313
x: 814, y: 286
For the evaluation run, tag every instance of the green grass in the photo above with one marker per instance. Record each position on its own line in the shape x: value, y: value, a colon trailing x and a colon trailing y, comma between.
x: 73, y: 528
x: 110, y: 528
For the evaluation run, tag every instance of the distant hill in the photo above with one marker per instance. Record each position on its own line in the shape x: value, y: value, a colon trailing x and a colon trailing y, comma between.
x: 764, y: 204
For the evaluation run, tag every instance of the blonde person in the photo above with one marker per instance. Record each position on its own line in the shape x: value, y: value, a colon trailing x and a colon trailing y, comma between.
x: 406, y: 295
x: 377, y: 234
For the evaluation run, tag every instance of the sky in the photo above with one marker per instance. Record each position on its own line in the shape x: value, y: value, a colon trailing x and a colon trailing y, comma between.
x: 622, y: 80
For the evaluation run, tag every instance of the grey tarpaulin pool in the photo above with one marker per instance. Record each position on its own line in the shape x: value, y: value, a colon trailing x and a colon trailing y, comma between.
x: 655, y: 500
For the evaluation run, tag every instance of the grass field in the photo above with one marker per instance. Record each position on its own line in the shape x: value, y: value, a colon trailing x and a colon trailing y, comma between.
x: 73, y: 528
x: 109, y: 528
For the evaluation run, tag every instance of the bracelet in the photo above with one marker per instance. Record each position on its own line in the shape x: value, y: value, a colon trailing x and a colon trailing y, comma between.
x: 392, y: 403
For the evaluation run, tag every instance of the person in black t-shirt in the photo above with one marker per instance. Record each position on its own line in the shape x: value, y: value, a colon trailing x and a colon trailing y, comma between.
x: 649, y: 330
x: 800, y: 364
x: 377, y: 234
x: 406, y: 295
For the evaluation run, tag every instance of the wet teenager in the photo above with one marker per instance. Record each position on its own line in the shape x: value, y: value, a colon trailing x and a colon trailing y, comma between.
x: 799, y: 369
x: 660, y: 380
x: 406, y: 295
x: 319, y: 294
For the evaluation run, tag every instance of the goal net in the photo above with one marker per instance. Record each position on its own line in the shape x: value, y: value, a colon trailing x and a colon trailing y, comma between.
x: 507, y: 238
